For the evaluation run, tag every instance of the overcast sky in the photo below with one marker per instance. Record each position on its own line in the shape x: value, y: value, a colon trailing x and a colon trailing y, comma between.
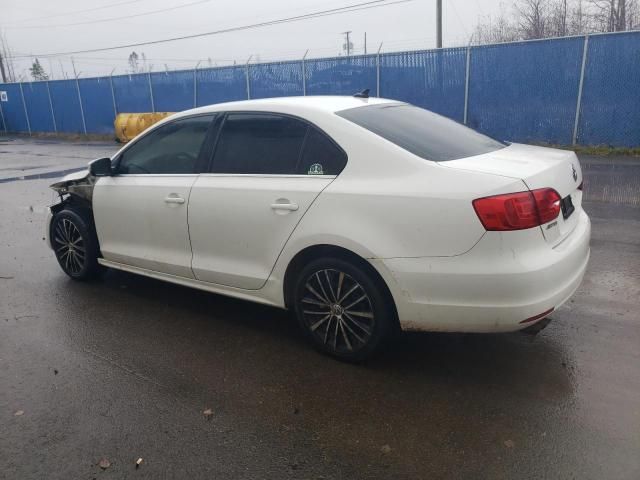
x: 42, y: 26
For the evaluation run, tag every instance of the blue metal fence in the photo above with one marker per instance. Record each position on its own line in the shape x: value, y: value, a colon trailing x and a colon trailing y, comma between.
x: 97, y: 104
x: 66, y: 106
x: 433, y: 79
x: 583, y: 90
x: 610, y: 112
x: 526, y: 91
x: 280, y: 79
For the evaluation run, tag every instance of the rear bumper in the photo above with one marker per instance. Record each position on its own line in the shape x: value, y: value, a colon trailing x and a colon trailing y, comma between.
x: 505, y: 279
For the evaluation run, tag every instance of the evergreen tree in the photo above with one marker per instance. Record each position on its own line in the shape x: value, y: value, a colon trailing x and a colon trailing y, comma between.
x: 37, y: 72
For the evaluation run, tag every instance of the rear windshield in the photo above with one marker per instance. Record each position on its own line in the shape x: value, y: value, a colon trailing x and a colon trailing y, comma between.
x: 421, y: 132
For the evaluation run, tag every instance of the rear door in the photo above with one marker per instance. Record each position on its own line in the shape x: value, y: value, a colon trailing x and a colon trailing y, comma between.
x: 267, y: 170
x: 141, y: 211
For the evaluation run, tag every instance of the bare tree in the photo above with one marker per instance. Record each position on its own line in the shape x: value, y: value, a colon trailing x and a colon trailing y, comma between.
x: 495, y: 30
x: 558, y: 25
x: 133, y: 62
x: 6, y: 60
x: 578, y: 20
x: 532, y: 18
x: 614, y: 15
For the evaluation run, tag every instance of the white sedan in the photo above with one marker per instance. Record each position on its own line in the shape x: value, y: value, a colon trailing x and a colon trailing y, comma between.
x: 361, y: 215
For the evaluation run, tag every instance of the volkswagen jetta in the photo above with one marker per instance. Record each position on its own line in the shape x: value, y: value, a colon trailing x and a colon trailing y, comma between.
x: 361, y: 215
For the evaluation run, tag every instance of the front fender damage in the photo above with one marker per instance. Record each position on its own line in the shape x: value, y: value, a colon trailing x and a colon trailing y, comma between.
x: 78, y: 184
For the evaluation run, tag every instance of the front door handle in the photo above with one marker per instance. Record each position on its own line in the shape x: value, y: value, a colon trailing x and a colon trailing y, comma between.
x: 173, y: 198
x: 292, y: 207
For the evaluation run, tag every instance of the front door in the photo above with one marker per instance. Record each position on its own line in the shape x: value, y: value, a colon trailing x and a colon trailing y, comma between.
x: 141, y: 211
x: 267, y: 171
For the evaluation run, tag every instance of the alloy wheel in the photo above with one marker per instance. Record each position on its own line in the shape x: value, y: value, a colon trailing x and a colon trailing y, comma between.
x: 337, y: 310
x: 69, y: 246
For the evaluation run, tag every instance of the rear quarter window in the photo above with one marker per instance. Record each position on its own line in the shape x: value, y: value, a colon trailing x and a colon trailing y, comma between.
x: 321, y: 156
x: 421, y: 132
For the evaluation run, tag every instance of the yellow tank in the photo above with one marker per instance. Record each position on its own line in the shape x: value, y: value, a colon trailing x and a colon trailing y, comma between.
x: 128, y: 125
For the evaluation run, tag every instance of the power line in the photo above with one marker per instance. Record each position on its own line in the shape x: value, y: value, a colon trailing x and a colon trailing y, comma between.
x: 111, y: 19
x: 273, y: 55
x: 46, y: 17
x: 334, y: 11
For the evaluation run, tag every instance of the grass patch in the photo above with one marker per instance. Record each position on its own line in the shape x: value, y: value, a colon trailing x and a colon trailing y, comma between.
x: 599, y: 150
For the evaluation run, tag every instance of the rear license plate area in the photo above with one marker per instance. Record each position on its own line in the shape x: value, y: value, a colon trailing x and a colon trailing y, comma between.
x: 566, y: 205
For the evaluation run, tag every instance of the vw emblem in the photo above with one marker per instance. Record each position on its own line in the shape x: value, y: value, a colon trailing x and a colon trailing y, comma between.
x: 574, y: 172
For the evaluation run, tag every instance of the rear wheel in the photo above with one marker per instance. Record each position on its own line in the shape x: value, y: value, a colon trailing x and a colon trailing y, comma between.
x: 75, y: 244
x: 343, y: 310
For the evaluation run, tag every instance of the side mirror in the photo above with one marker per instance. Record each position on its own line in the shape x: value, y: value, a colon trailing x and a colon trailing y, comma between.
x: 100, y: 167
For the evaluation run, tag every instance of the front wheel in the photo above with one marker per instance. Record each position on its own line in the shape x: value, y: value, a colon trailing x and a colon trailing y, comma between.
x: 343, y: 309
x: 75, y: 244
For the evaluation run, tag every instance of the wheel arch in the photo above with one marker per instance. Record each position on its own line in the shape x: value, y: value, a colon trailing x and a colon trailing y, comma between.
x: 313, y: 252
x: 82, y: 207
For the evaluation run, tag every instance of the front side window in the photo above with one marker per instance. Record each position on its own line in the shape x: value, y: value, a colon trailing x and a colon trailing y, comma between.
x: 421, y: 132
x: 172, y: 148
x: 257, y: 143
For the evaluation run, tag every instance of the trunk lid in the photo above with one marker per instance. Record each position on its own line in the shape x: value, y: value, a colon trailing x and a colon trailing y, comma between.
x: 537, y: 167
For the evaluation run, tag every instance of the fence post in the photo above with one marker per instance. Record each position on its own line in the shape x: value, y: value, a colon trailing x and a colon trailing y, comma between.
x: 53, y: 113
x: 24, y: 105
x: 466, y: 85
x: 113, y: 95
x: 195, y: 85
x: 378, y: 71
x: 304, y: 74
x: 246, y: 72
x: 153, y: 105
x: 585, y: 49
x: 84, y: 123
x: 4, y: 124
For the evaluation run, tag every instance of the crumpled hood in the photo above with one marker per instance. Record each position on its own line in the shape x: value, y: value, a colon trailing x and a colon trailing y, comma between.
x: 71, y: 177
x: 77, y: 183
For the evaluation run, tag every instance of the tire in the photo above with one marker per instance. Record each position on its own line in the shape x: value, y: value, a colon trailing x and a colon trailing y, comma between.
x: 75, y: 243
x: 355, y: 326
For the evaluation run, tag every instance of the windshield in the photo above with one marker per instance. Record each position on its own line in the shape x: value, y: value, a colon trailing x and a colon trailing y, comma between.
x: 421, y: 132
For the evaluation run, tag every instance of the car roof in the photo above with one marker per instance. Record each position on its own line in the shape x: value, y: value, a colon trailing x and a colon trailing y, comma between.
x: 327, y: 104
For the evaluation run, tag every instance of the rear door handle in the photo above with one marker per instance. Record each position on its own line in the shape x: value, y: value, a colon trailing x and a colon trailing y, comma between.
x: 292, y: 207
x: 173, y: 198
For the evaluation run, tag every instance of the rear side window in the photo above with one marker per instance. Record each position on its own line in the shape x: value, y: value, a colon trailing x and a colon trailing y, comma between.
x: 171, y: 148
x: 321, y: 156
x: 260, y: 144
x: 421, y: 132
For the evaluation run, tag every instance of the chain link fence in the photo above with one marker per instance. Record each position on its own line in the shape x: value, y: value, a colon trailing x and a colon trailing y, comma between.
x: 575, y: 90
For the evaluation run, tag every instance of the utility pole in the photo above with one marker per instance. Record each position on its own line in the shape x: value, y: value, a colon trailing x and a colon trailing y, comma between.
x: 4, y: 77
x: 347, y: 45
x: 438, y: 23
x: 365, y: 43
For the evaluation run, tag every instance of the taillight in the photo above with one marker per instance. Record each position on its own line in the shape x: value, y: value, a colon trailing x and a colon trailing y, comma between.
x: 548, y: 203
x: 518, y: 211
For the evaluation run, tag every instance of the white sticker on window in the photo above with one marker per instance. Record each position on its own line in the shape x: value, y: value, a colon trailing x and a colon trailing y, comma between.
x: 316, y: 169
x: 3, y: 97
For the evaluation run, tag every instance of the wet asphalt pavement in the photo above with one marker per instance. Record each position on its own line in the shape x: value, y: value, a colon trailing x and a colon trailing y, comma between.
x: 124, y: 367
